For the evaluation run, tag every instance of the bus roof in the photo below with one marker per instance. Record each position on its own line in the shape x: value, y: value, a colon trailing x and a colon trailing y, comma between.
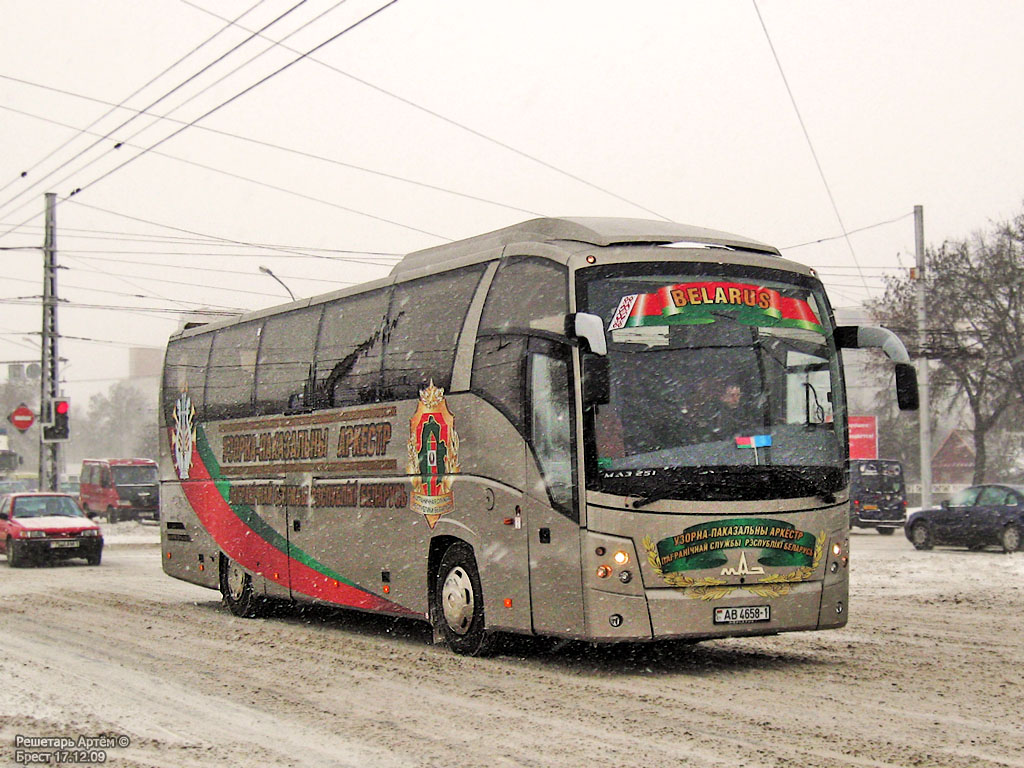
x: 562, y: 237
x: 599, y: 231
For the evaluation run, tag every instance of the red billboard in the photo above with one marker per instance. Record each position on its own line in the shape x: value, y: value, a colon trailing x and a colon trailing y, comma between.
x: 863, y: 437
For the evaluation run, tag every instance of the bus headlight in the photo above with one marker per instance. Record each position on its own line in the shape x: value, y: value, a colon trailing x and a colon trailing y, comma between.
x: 625, y: 577
x: 620, y: 557
x: 604, y: 571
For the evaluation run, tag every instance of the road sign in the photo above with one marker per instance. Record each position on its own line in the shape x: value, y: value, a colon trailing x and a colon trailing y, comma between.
x: 21, y: 417
x: 863, y: 437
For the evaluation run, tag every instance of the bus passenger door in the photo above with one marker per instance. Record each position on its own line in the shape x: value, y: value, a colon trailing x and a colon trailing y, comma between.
x: 273, y: 539
x: 556, y: 589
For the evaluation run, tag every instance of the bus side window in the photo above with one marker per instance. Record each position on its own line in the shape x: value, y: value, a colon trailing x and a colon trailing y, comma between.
x: 185, y: 370
x: 232, y: 371
x: 349, y: 347
x: 551, y: 423
x: 424, y: 322
x: 499, y: 369
x: 285, y: 356
x: 526, y: 292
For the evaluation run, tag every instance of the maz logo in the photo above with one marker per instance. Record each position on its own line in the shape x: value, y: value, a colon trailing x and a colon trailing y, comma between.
x: 742, y: 569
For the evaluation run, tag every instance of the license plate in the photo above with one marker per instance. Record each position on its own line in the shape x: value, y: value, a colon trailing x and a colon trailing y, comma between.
x: 63, y: 544
x: 747, y: 614
x: 871, y: 506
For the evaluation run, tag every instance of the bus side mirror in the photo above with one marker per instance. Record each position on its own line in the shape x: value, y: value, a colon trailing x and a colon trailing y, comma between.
x: 871, y: 337
x: 906, y: 387
x: 583, y: 325
x: 596, y: 381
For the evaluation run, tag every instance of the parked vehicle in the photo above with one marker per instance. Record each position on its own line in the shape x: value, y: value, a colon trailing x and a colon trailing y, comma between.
x: 40, y: 526
x: 976, y: 517
x: 120, y: 489
x: 878, y: 497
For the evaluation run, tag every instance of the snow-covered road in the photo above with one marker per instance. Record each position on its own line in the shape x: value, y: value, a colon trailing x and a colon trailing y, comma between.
x: 928, y: 673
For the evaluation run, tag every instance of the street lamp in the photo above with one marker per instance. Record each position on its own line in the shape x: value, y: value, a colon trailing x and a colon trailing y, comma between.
x: 266, y: 271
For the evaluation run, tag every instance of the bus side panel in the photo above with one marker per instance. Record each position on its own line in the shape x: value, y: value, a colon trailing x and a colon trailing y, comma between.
x: 556, y: 588
x: 486, y: 518
x: 188, y: 552
x: 488, y: 510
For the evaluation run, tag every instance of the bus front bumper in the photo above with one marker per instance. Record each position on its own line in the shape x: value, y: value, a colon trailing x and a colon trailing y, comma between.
x: 709, y: 612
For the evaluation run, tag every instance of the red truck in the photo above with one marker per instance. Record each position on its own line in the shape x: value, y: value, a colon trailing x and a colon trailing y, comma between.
x: 120, y: 489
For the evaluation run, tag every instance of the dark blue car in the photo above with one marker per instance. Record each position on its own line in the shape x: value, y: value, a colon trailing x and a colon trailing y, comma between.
x: 975, y: 518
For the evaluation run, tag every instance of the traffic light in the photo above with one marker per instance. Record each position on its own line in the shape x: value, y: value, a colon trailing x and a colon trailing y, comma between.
x: 60, y: 427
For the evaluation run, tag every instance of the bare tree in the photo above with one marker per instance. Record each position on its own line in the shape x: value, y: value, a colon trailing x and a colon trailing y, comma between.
x: 975, y: 300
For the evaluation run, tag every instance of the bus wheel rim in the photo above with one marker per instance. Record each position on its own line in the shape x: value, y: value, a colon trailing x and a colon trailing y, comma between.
x: 457, y: 601
x: 235, y: 581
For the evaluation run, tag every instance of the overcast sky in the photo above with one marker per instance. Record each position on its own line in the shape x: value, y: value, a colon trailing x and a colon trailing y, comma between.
x: 435, y: 120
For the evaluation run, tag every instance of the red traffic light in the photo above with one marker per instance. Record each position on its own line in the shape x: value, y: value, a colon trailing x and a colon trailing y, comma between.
x: 61, y: 407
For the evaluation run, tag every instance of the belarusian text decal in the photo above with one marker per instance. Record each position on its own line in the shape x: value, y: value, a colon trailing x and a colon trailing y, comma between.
x: 700, y: 546
x: 697, y: 303
x: 249, y: 540
x: 706, y: 545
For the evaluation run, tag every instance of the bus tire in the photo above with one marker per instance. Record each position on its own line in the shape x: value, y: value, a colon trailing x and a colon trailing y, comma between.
x: 1010, y: 538
x: 112, y: 516
x: 459, y: 602
x: 885, y: 531
x: 237, y: 591
x: 921, y: 535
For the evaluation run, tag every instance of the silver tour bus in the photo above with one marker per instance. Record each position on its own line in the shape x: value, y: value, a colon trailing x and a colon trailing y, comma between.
x: 602, y: 429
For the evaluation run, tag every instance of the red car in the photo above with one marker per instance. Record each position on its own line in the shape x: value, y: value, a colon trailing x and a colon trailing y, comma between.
x: 37, y: 526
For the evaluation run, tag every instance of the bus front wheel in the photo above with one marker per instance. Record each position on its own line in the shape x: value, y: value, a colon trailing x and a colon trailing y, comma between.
x: 459, y: 602
x: 237, y: 590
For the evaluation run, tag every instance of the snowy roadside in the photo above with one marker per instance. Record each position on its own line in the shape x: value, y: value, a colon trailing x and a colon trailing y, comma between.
x: 130, y: 532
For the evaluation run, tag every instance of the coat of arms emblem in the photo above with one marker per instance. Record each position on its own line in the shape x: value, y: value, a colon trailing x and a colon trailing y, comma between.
x: 433, y: 455
x: 183, y: 437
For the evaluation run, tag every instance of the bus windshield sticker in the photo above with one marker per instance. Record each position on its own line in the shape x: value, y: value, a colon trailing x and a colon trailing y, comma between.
x: 699, y: 302
x: 650, y: 335
x: 433, y: 455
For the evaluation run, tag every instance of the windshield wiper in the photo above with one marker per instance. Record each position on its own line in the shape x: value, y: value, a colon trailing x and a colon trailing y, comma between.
x: 665, y: 488
x: 818, y: 488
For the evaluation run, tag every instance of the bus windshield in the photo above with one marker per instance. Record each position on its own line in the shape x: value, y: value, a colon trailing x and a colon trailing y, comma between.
x: 722, y: 386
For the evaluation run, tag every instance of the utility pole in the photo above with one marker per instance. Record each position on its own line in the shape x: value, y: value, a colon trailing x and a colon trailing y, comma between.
x: 49, y: 452
x: 922, y: 369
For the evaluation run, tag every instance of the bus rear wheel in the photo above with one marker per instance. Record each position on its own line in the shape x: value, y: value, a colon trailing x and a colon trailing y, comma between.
x: 459, y: 603
x: 237, y: 590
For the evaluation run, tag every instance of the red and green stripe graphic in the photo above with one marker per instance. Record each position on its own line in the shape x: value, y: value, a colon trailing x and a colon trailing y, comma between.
x: 699, y: 302
x: 249, y: 540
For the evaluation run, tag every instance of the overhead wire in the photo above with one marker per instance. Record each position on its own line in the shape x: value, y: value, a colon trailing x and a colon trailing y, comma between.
x: 237, y: 96
x: 269, y: 145
x: 807, y: 137
x: 208, y: 241
x: 152, y: 104
x: 845, y: 234
x: 457, y: 124
x: 133, y: 94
